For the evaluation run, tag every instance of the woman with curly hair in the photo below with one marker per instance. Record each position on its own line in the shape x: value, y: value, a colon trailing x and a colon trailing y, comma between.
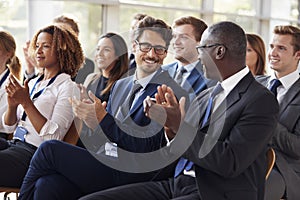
x: 9, y: 64
x: 39, y: 110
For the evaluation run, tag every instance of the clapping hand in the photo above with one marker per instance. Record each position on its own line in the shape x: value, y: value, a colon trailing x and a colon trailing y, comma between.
x: 16, y: 93
x: 90, y: 110
x: 166, y: 110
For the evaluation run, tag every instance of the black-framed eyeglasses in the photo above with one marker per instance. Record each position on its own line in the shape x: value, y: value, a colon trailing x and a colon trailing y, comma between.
x: 200, y: 48
x: 146, y: 47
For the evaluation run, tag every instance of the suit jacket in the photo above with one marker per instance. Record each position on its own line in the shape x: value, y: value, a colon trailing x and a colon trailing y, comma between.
x: 130, y: 129
x: 229, y: 152
x: 195, y: 82
x: 286, y: 141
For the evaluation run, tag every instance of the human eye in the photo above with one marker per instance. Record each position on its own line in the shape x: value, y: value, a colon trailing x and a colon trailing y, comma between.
x: 145, y: 46
x: 160, y: 49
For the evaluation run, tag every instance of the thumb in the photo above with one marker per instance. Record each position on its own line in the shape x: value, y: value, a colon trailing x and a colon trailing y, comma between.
x: 26, y: 84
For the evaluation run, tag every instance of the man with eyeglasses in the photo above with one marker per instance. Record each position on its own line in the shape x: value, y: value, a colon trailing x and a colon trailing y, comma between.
x: 228, y: 146
x: 127, y: 138
x: 187, y: 71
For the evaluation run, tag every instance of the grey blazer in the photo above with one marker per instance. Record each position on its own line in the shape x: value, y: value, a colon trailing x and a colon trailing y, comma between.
x: 286, y: 141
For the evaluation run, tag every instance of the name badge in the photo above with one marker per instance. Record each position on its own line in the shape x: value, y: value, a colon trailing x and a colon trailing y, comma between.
x: 20, y: 133
x: 111, y: 149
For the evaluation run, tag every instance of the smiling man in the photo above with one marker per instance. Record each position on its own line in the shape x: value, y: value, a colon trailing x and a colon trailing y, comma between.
x: 187, y: 71
x: 62, y: 171
x: 284, y: 55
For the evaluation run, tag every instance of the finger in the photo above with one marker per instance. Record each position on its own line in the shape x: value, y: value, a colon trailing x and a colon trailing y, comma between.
x: 26, y: 84
x: 171, y: 99
x: 161, y: 91
x: 13, y: 80
x: 94, y: 98
x: 182, y: 106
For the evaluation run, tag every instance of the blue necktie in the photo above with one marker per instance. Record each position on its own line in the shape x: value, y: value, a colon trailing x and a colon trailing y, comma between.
x: 184, y: 163
x: 276, y: 83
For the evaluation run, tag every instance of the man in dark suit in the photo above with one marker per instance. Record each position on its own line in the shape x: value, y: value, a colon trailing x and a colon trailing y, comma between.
x: 187, y: 32
x: 227, y: 149
x: 71, y: 172
x: 284, y: 55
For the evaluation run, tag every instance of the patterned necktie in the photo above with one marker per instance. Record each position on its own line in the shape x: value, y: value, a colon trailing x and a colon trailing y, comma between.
x: 184, y: 163
x: 276, y: 83
x: 179, y: 74
x: 136, y: 87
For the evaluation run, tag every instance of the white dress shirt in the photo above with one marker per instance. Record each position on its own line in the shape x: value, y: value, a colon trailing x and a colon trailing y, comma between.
x: 286, y: 81
x: 54, y: 105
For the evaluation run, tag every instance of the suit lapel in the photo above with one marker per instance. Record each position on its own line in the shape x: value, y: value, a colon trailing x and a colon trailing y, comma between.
x: 289, y: 96
x: 233, y: 97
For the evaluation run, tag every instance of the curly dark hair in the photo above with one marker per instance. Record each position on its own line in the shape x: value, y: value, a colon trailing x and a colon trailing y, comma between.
x: 65, y: 45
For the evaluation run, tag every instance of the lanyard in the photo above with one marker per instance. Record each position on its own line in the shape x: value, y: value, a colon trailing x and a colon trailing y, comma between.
x: 36, y: 95
x: 4, y: 77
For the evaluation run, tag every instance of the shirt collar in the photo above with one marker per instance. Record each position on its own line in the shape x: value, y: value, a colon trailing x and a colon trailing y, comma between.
x: 188, y: 67
x: 229, y: 83
x: 143, y: 81
x: 288, y: 80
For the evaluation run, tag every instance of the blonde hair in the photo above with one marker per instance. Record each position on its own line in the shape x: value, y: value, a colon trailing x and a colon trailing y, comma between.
x: 8, y: 44
x: 65, y: 45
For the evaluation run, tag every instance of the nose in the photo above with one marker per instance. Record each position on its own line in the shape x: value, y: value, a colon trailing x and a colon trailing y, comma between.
x: 151, y: 53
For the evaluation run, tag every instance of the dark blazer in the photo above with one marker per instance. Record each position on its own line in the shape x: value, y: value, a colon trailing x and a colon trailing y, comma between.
x: 130, y: 128
x: 230, y: 152
x: 286, y: 141
x: 195, y: 82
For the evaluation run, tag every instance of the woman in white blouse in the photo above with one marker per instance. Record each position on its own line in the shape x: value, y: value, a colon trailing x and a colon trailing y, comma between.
x: 40, y: 109
x: 9, y: 64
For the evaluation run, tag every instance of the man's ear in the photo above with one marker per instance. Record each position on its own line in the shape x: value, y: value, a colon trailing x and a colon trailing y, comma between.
x: 298, y: 55
x: 220, y: 52
x: 134, y: 47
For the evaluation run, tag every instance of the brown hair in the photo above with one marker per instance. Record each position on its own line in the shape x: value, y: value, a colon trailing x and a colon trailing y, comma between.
x: 156, y: 25
x: 121, y: 65
x: 70, y: 21
x: 198, y: 25
x: 65, y: 45
x: 289, y: 30
x: 8, y: 44
x: 258, y: 46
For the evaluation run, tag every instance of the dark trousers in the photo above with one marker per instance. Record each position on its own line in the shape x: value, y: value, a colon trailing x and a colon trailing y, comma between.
x: 62, y: 171
x: 275, y: 185
x: 15, y: 157
x: 181, y: 188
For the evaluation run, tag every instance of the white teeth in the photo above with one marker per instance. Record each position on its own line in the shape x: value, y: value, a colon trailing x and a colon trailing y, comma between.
x: 150, y: 61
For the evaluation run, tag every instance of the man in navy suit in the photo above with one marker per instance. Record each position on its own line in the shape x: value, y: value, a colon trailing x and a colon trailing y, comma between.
x: 284, y: 55
x: 227, y: 149
x: 62, y: 171
x: 187, y: 32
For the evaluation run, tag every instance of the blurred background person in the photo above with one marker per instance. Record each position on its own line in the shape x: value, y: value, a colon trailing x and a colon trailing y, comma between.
x: 256, y: 54
x: 9, y: 64
x: 89, y: 66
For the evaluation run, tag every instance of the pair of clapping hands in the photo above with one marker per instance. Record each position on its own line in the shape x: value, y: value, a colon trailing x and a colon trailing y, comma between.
x: 88, y: 108
x: 165, y: 109
x: 16, y: 92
